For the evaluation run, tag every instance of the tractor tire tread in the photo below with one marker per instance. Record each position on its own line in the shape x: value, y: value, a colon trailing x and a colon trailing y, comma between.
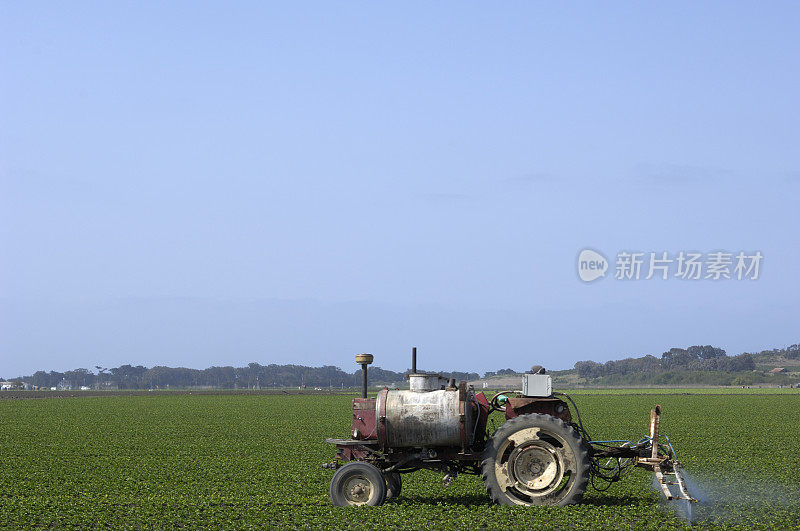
x: 509, y: 427
x: 394, y: 484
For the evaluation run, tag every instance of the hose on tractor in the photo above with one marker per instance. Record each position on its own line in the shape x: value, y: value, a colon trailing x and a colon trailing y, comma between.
x: 604, y: 471
x: 495, y: 402
x: 582, y: 430
x: 607, y: 472
x: 609, y: 460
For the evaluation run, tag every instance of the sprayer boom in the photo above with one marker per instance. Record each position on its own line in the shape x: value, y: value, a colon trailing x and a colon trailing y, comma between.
x: 667, y: 469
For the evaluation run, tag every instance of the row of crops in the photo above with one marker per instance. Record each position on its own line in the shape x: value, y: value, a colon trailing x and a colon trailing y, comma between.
x: 241, y: 461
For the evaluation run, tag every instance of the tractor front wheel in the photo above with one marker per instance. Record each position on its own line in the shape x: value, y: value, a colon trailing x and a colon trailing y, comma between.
x: 535, y: 460
x: 358, y: 483
x: 394, y: 484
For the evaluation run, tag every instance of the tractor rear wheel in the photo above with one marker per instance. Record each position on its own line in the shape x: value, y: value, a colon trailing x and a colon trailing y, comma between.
x: 535, y: 460
x: 394, y: 484
x: 358, y: 483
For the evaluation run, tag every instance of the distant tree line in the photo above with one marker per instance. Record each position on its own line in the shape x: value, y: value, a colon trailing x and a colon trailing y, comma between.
x: 252, y: 376
x: 691, y: 378
x: 696, y: 359
x: 791, y: 352
x: 685, y: 365
x: 501, y: 372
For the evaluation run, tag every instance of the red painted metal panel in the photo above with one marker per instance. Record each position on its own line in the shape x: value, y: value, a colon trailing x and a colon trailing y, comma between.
x: 363, y: 425
x: 545, y: 406
x: 483, y: 411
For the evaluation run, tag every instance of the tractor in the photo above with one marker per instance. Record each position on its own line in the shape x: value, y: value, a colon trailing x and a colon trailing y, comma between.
x: 539, y: 455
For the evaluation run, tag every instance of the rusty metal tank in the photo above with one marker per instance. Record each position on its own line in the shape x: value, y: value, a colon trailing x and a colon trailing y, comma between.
x: 444, y: 417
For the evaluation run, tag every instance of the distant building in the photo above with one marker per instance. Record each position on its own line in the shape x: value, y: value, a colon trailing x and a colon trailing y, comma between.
x: 7, y: 386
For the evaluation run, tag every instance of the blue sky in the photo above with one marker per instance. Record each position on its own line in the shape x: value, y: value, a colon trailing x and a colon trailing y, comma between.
x: 206, y: 184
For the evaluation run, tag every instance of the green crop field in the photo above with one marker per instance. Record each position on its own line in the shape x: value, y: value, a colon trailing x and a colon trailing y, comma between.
x: 247, y: 461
